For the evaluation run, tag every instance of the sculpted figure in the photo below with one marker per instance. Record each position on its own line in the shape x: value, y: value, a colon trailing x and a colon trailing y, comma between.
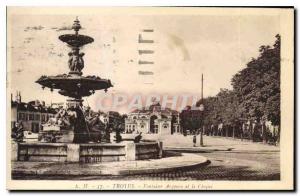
x: 80, y: 63
x: 75, y: 62
x: 70, y: 61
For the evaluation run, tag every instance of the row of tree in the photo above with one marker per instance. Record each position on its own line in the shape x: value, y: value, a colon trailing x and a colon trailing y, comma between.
x: 251, y: 109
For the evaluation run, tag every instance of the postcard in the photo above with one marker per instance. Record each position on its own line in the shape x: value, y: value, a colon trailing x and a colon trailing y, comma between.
x: 150, y: 98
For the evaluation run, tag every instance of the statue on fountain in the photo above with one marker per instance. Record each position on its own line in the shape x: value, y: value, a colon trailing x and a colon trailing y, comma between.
x: 76, y: 62
x: 61, y: 119
x: 66, y: 120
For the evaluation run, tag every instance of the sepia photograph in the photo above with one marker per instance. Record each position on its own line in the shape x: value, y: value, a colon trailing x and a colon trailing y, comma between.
x: 150, y: 98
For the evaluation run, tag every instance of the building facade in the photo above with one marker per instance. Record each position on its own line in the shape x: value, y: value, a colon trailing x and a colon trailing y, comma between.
x: 153, y: 120
x: 32, y: 114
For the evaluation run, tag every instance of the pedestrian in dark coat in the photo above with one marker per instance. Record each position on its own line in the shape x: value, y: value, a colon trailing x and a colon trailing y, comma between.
x: 194, y: 140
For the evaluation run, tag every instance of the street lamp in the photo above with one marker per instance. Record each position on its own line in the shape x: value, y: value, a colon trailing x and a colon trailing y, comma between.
x: 201, y: 108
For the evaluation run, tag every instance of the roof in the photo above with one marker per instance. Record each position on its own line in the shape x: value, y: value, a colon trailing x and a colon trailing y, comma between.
x: 156, y: 107
x: 30, y: 107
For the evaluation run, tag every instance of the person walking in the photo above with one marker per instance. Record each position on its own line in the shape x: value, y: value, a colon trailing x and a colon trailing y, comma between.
x: 194, y: 140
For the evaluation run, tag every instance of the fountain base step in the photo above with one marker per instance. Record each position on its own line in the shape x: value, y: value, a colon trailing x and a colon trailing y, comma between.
x: 169, y: 164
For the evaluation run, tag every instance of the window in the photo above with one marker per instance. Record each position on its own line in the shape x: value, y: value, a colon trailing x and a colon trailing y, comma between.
x: 133, y: 127
x: 31, y: 117
x: 22, y: 116
x: 37, y: 117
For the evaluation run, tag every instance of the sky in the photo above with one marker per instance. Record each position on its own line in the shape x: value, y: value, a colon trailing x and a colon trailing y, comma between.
x: 185, y: 46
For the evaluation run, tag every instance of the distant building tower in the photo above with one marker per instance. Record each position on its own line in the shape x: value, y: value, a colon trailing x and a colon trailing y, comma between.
x: 18, y: 97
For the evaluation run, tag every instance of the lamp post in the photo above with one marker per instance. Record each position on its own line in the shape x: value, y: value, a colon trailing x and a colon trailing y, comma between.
x: 201, y: 132
x: 201, y: 108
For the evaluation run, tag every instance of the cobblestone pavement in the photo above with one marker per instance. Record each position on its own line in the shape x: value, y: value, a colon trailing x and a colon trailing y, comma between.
x: 225, y: 165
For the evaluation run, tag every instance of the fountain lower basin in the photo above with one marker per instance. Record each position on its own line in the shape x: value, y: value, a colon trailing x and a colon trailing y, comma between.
x: 87, y: 153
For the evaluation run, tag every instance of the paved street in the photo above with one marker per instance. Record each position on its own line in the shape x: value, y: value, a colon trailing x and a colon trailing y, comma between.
x: 227, y: 166
x: 217, y: 142
x: 210, y: 143
x: 244, y: 161
x: 223, y: 166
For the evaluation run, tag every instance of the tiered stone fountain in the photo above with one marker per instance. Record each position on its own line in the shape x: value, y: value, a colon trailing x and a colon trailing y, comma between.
x: 73, y: 84
x: 87, y: 144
